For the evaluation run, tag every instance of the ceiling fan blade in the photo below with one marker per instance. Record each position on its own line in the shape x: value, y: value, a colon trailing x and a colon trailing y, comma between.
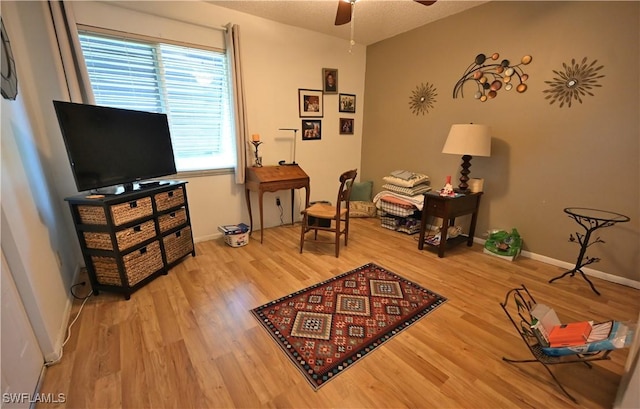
x: 343, y: 15
x: 425, y: 3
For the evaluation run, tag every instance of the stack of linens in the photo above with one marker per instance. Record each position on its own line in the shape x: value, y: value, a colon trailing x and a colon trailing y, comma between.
x: 401, y: 199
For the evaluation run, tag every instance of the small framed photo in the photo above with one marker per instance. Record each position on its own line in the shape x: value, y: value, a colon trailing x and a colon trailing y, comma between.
x: 330, y: 80
x: 346, y: 126
x: 311, y: 130
x: 310, y: 103
x: 347, y: 103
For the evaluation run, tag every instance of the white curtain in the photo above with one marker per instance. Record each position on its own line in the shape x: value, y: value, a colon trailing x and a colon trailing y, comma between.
x: 75, y: 70
x: 232, y: 38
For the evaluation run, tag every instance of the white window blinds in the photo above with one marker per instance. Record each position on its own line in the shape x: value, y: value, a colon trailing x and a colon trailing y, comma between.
x: 190, y: 85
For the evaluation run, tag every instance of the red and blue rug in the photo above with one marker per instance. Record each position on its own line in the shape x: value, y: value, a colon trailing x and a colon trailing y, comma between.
x: 326, y: 328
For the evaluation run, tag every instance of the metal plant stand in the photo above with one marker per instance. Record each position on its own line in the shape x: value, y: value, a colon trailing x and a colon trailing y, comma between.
x: 591, y: 220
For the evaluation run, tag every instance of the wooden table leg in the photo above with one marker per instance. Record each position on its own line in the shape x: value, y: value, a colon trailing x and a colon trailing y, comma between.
x: 248, y: 196
x: 292, y: 192
x: 261, y: 193
x: 472, y: 228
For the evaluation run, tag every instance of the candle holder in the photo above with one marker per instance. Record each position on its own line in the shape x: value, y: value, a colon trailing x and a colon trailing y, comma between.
x: 258, y: 160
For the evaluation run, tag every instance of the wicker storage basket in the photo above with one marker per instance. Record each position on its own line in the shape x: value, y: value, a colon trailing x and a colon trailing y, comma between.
x: 178, y: 244
x: 138, y: 265
x: 126, y: 238
x: 92, y: 215
x: 121, y: 213
x: 174, y: 219
x: 167, y: 200
x: 129, y: 211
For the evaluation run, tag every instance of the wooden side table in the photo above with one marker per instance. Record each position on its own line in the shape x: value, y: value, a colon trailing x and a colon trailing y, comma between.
x: 448, y: 208
x: 271, y: 179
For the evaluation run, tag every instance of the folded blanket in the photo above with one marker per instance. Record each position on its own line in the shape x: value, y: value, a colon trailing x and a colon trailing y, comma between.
x: 417, y: 201
x: 396, y: 209
x: 415, y: 179
x: 408, y: 191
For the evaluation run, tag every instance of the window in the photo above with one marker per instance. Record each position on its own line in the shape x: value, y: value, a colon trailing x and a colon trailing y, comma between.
x: 190, y: 85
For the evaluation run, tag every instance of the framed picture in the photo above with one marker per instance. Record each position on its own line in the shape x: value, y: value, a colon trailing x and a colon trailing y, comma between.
x: 330, y: 80
x: 310, y: 103
x: 311, y: 130
x: 346, y: 126
x: 347, y: 103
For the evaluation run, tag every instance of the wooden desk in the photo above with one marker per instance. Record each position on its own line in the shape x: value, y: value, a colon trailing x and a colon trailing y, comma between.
x: 271, y: 179
x: 448, y: 208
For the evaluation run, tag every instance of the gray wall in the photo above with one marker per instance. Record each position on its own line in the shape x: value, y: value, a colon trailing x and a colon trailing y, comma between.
x: 544, y: 158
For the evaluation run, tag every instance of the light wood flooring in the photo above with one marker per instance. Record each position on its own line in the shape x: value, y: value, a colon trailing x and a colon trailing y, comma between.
x: 188, y: 340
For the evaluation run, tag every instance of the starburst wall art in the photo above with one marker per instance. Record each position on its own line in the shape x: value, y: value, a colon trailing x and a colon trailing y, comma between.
x: 573, y: 82
x: 422, y: 98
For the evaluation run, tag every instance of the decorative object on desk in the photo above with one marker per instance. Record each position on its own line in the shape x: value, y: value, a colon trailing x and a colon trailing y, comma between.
x: 490, y: 77
x: 310, y: 103
x: 255, y: 141
x: 295, y: 138
x: 468, y: 140
x: 311, y: 130
x: 347, y: 103
x: 422, y: 98
x: 346, y: 126
x: 447, y: 190
x: 326, y: 328
x: 574, y: 82
x: 330, y: 80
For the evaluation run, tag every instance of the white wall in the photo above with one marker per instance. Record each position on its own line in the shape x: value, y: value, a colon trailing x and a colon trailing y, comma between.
x: 35, y: 237
x: 277, y: 60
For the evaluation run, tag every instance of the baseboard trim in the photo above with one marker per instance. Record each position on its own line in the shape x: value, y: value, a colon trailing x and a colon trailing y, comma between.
x: 568, y: 266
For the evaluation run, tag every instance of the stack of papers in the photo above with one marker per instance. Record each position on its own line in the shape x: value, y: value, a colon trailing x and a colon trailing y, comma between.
x: 234, y: 228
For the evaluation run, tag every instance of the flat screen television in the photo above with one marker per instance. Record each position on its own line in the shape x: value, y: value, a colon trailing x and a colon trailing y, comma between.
x: 112, y: 148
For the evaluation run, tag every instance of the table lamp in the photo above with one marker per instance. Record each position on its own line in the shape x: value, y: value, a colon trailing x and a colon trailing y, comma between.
x: 468, y: 140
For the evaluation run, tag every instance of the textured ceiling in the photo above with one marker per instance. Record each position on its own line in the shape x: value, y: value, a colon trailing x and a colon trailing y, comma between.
x: 375, y: 20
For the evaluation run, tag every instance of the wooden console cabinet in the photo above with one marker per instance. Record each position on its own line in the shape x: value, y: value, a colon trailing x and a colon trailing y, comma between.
x: 129, y: 239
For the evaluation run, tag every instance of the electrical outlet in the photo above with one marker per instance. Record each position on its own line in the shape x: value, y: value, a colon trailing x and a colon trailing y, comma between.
x: 277, y: 200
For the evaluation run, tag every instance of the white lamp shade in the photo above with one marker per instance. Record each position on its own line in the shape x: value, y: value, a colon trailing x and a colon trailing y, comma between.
x: 468, y: 139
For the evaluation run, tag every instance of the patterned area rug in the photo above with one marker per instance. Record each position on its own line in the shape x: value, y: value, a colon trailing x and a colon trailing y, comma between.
x: 326, y: 328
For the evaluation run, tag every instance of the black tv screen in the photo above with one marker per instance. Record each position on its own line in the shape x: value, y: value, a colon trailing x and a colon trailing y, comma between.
x: 112, y: 146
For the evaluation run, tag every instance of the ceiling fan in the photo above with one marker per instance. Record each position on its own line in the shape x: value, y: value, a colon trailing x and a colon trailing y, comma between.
x: 345, y: 8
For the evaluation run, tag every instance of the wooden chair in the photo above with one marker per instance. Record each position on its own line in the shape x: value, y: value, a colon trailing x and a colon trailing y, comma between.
x: 517, y: 305
x: 331, y: 218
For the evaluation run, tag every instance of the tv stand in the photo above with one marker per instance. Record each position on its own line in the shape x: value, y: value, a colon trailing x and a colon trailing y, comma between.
x: 130, y: 238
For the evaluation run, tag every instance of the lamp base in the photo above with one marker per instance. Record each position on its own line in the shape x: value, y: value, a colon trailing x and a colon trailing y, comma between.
x: 463, y: 187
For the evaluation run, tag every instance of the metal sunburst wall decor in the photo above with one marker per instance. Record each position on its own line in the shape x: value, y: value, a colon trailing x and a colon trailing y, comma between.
x: 422, y: 98
x: 577, y: 80
x: 489, y: 78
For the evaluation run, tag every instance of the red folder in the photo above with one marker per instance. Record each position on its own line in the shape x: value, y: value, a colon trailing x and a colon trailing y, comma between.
x: 572, y: 334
